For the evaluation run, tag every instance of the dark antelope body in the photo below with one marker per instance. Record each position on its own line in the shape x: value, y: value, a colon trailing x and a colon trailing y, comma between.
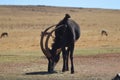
x: 103, y: 32
x: 66, y: 32
x: 4, y: 34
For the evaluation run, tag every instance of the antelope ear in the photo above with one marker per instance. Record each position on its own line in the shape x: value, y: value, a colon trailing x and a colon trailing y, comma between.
x: 58, y: 51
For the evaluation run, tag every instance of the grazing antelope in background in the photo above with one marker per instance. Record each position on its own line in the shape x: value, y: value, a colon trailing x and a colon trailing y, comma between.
x: 67, y: 32
x: 103, y: 32
x: 4, y: 34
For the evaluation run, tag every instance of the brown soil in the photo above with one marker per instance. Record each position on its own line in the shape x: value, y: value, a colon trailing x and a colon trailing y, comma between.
x: 97, y: 67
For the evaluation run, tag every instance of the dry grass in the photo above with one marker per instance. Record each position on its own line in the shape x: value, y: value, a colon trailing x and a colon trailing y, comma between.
x: 24, y: 25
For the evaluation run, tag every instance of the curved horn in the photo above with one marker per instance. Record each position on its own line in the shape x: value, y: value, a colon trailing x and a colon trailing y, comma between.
x: 46, y: 42
x: 47, y: 39
x: 41, y: 42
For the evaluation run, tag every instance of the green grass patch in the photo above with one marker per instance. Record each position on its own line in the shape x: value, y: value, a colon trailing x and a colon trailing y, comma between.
x: 22, y: 56
x: 19, y: 56
x: 93, y: 51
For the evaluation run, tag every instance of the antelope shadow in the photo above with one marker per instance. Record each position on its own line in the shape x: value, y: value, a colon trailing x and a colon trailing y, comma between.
x: 40, y: 73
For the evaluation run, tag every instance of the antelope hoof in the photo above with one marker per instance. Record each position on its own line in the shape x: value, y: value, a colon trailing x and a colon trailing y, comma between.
x: 72, y: 72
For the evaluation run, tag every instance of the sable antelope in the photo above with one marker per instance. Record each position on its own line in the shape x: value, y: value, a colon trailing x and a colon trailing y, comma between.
x: 5, y: 34
x: 103, y: 32
x: 66, y: 32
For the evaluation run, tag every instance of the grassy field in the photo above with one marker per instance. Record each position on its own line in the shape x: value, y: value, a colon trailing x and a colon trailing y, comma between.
x: 20, y: 52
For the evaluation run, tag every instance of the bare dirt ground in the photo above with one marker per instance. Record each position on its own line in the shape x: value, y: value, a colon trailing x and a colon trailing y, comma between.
x: 97, y: 67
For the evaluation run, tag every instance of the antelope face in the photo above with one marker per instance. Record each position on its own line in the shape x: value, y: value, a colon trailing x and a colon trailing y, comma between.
x: 52, y: 61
